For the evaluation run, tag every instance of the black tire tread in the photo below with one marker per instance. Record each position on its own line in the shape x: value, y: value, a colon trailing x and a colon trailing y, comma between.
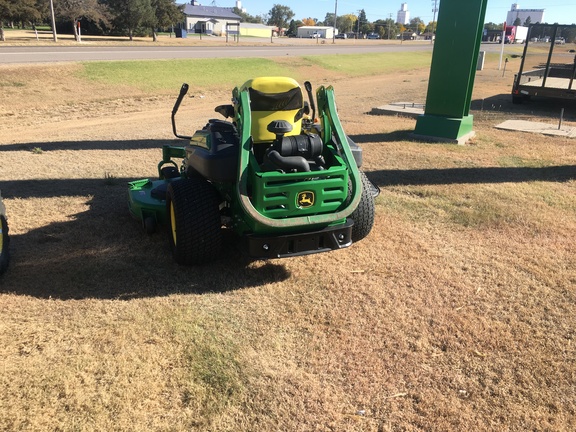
x: 198, y: 226
x: 363, y: 216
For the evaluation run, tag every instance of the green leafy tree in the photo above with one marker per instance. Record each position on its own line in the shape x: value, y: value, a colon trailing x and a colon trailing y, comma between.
x: 75, y: 10
x: 433, y: 25
x: 417, y: 25
x: 528, y: 21
x: 166, y: 14
x: 131, y: 15
x: 247, y: 18
x: 387, y: 28
x: 493, y: 26
x: 329, y: 20
x: 347, y: 23
x: 4, y: 15
x: 363, y: 25
x: 517, y: 22
x: 341, y: 22
x: 19, y: 11
x: 293, y: 27
x: 280, y: 16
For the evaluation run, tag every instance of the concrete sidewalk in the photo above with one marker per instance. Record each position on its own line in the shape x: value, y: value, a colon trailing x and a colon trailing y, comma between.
x: 413, y: 109
x: 537, y: 127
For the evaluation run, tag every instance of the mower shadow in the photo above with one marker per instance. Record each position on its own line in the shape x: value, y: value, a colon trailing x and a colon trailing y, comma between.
x: 90, y: 145
x: 448, y: 176
x: 104, y: 253
x: 395, y: 136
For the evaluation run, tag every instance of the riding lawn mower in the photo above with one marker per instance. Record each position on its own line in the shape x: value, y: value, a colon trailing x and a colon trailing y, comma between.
x: 281, y: 176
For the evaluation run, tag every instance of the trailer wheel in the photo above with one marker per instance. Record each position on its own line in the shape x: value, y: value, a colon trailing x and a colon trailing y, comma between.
x: 520, y: 99
x: 4, y: 243
x: 363, y: 216
x: 194, y: 221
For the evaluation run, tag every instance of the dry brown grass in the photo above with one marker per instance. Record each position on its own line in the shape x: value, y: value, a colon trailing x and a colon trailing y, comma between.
x: 456, y: 313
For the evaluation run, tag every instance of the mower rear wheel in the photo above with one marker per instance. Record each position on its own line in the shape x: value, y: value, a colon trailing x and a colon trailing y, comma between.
x: 4, y: 243
x: 194, y: 221
x: 363, y: 216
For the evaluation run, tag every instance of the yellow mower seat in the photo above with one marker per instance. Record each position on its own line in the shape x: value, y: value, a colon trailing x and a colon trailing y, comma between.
x: 274, y: 98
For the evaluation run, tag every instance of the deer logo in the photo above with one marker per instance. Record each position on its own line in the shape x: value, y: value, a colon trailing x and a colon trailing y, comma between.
x: 305, y: 199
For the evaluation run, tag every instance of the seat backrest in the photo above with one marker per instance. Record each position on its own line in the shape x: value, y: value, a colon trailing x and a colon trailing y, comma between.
x: 274, y: 98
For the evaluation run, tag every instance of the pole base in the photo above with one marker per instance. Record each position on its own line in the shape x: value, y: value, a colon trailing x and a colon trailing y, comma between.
x: 444, y: 129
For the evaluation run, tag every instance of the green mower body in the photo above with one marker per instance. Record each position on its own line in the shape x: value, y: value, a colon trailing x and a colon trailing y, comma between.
x: 285, y: 183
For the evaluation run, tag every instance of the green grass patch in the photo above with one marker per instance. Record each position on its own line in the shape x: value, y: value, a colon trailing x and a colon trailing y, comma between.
x: 156, y: 75
x: 213, y: 374
x: 170, y: 74
x: 519, y: 162
x: 11, y: 84
x: 372, y: 64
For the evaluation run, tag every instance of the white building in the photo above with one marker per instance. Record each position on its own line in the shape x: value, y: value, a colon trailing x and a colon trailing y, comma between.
x: 322, y: 32
x: 403, y: 16
x: 211, y: 20
x: 239, y: 6
x: 536, y: 15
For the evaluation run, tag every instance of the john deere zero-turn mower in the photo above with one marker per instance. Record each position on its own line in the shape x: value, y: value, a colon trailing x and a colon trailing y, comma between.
x: 285, y: 183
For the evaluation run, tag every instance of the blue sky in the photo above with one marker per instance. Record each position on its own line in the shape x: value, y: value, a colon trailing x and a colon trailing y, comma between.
x: 561, y: 11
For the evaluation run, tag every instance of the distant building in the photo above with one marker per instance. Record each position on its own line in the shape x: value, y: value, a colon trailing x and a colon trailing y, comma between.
x: 536, y: 15
x: 239, y: 6
x: 257, y: 30
x: 209, y: 20
x: 322, y: 32
x: 403, y: 16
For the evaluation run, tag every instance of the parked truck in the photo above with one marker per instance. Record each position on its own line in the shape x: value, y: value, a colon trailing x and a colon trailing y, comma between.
x: 515, y: 34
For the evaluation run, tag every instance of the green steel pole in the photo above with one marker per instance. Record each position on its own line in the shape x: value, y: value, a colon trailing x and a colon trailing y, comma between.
x: 452, y: 73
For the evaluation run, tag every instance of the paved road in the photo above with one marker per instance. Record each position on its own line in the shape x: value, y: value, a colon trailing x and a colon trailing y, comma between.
x: 44, y: 54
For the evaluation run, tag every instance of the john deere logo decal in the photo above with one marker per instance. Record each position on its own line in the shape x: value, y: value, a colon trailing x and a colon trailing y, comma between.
x: 305, y: 199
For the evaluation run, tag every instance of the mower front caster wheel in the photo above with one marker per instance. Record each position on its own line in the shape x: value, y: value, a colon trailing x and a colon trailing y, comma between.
x: 149, y: 224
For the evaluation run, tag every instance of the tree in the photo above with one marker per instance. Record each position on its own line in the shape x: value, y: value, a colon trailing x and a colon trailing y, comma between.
x: 528, y: 21
x: 417, y: 24
x: 75, y: 10
x: 346, y: 23
x: 493, y: 26
x: 247, y: 18
x: 329, y: 19
x: 279, y: 16
x: 293, y: 27
x: 517, y: 22
x: 20, y: 11
x: 308, y: 22
x: 129, y: 15
x: 387, y: 28
x: 363, y: 26
x: 166, y: 14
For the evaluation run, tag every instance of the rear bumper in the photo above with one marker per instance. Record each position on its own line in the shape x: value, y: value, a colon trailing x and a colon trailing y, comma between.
x: 324, y: 240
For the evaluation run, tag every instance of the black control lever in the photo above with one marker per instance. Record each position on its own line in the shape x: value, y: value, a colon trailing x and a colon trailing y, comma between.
x: 183, y: 91
x: 308, y: 88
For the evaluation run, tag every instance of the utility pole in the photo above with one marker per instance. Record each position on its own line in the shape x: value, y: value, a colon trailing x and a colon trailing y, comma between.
x: 335, y: 18
x: 434, y: 10
x: 389, y: 21
x: 53, y: 21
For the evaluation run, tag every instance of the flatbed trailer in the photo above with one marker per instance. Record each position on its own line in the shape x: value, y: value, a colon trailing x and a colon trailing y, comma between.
x: 551, y: 76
